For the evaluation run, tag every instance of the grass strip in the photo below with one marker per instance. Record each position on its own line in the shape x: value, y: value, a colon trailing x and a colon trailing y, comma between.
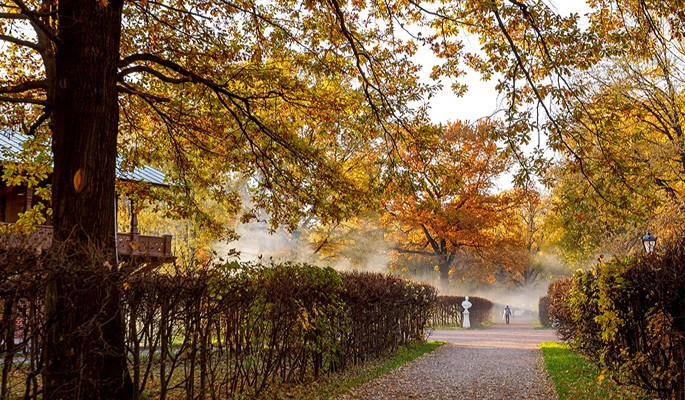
x: 539, y: 326
x: 576, y: 378
x: 331, y: 386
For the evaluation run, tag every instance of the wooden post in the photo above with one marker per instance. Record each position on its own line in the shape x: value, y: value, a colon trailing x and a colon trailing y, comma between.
x: 134, y: 223
x: 166, y: 250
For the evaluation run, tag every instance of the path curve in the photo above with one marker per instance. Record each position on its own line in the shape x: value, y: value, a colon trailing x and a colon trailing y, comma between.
x: 502, y: 362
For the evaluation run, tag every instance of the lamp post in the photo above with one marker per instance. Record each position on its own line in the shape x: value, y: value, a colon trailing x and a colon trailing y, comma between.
x: 649, y: 241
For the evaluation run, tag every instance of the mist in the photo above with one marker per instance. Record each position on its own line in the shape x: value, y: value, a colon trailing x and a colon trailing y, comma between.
x: 366, y: 250
x: 361, y: 252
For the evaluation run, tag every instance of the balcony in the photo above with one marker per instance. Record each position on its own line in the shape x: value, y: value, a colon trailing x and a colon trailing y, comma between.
x: 142, y: 247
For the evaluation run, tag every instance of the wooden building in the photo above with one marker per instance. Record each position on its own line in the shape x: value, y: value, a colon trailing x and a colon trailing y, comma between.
x: 15, y: 200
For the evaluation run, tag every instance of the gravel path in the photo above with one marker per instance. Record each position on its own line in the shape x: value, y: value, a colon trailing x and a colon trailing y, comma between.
x: 503, y: 362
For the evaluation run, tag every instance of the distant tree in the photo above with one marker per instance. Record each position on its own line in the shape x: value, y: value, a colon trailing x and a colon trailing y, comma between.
x: 521, y: 262
x: 441, y: 199
x: 357, y: 243
x: 628, y: 133
x: 605, y: 92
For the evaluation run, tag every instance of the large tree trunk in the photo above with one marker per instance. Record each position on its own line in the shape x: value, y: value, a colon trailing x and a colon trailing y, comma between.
x: 444, y: 268
x: 445, y: 259
x: 84, y: 349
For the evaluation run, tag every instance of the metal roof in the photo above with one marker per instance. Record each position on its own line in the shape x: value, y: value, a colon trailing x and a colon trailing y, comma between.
x: 11, y: 143
x: 144, y: 173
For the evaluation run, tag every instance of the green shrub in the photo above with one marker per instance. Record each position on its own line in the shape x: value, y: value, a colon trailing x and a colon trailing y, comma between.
x: 227, y: 332
x: 641, y: 300
x: 584, y: 305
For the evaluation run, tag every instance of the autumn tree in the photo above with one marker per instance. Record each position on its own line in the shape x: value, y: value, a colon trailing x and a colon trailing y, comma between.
x: 203, y: 90
x: 622, y: 168
x: 531, y: 216
x: 604, y: 93
x: 522, y: 263
x: 441, y: 198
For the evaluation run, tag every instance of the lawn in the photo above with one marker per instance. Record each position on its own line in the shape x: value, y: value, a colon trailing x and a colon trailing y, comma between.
x: 576, y: 378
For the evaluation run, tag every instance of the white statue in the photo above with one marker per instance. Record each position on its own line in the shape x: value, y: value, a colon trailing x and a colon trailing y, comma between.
x: 466, y: 304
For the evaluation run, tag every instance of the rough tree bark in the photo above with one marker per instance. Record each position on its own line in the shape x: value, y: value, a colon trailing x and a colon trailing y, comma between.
x: 84, y: 349
x: 445, y: 257
x: 444, y: 267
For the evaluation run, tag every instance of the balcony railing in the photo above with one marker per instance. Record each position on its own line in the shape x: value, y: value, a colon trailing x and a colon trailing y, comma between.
x: 155, y: 248
x: 135, y: 245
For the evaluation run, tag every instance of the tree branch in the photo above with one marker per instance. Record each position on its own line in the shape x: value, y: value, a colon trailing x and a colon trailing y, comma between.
x: 359, y: 52
x: 33, y: 17
x: 19, y: 42
x: 24, y: 87
x: 13, y: 16
x: 430, y: 239
x: 125, y: 88
x: 541, y: 102
x: 26, y: 100
x: 240, y: 103
x: 43, y: 117
x: 145, y: 69
x: 418, y: 252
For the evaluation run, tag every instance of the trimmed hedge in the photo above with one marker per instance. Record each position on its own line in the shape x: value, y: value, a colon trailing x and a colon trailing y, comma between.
x: 543, y: 312
x: 629, y: 315
x: 22, y: 288
x: 384, y: 312
x: 560, y: 311
x: 269, y: 324
x: 449, y: 312
x: 226, y: 332
x: 584, y: 304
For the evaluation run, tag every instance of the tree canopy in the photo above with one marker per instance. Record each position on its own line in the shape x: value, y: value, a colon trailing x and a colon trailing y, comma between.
x: 279, y: 94
x: 267, y: 93
x: 621, y: 171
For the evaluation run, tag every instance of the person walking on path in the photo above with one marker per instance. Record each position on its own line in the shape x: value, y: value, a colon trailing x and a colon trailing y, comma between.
x: 507, y: 314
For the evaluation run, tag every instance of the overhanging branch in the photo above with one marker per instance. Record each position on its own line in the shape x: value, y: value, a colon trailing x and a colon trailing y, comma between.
x: 24, y: 87
x: 145, y: 69
x: 229, y: 100
x: 20, y: 42
x: 540, y: 98
x: 35, y: 20
x: 9, y: 99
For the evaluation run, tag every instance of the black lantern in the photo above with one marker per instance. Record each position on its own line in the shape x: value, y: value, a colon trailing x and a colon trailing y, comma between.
x: 649, y: 241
